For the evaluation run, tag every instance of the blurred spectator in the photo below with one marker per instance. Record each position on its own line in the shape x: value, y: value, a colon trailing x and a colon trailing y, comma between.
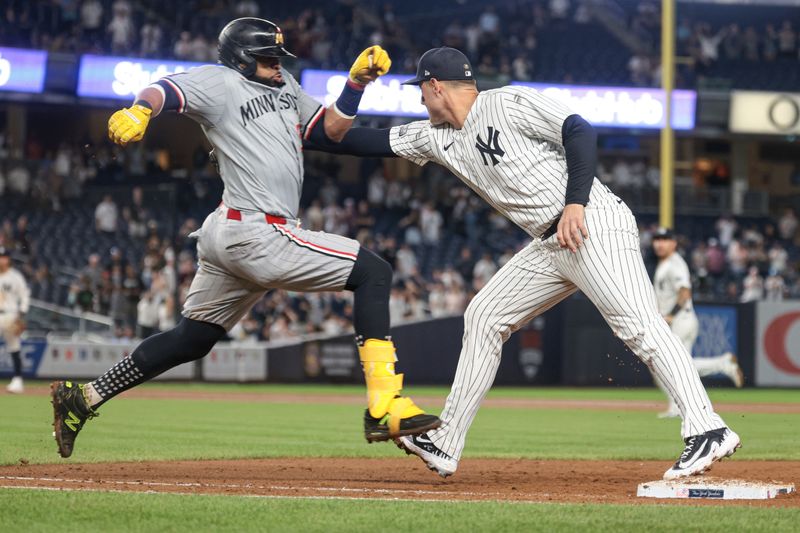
x: 466, y: 264
x: 406, y: 262
x: 19, y: 179
x: 150, y: 39
x: 430, y: 224
x: 93, y: 271
x: 559, y: 9
x: 733, y: 44
x: 726, y: 228
x: 147, y: 314
x: 106, y: 214
x: 709, y: 43
x: 752, y: 286
x: 121, y: 28
x: 751, y: 44
x: 778, y: 258
x: 246, y: 8
x: 183, y: 46
x: 787, y: 40
x: 80, y: 296
x: 787, y: 225
x: 92, y: 19
x: 484, y: 269
x: 489, y: 22
x: 775, y: 288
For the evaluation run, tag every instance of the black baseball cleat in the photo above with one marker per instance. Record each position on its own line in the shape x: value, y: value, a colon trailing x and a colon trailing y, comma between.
x: 70, y: 412
x: 702, y: 451
x: 434, y: 458
x: 377, y: 429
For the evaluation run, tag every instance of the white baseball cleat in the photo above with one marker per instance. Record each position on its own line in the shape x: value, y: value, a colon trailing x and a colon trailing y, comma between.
x: 702, y: 451
x: 434, y: 458
x: 16, y: 386
x: 732, y: 370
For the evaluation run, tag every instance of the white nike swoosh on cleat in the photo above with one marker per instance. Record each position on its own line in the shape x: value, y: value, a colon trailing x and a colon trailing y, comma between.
x: 686, y: 464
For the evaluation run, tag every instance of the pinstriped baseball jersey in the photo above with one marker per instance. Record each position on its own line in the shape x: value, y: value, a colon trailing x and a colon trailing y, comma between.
x: 509, y: 151
x: 672, y: 275
x: 14, y: 292
x: 256, y: 133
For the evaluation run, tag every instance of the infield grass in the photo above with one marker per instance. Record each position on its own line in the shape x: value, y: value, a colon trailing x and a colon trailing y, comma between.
x: 150, y: 429
x: 34, y: 511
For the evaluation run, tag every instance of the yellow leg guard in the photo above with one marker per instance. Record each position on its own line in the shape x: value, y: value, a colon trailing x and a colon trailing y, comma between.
x: 401, y: 408
x: 380, y: 393
x: 378, y: 358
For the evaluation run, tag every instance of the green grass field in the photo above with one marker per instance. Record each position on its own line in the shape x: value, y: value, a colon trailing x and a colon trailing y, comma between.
x: 206, y: 429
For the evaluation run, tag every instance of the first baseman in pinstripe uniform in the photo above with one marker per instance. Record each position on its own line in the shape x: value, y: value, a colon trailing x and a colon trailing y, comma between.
x: 256, y: 115
x: 533, y: 160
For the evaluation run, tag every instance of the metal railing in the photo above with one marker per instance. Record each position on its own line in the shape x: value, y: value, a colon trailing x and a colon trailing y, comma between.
x: 44, y: 317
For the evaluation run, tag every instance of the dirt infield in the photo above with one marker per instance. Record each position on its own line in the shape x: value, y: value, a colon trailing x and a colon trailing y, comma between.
x: 435, y: 401
x: 402, y: 478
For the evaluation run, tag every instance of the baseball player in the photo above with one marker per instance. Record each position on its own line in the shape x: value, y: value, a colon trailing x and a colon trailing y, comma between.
x: 255, y: 115
x: 14, y: 303
x: 673, y: 289
x: 533, y: 160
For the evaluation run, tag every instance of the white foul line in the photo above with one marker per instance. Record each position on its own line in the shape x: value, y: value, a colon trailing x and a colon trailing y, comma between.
x: 344, y: 490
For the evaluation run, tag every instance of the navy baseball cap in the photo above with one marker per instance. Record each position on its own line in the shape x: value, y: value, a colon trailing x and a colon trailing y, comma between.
x: 664, y: 233
x: 444, y: 64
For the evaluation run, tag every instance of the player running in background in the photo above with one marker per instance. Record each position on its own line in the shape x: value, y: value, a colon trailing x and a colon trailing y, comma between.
x: 14, y: 302
x: 534, y: 160
x: 673, y: 289
x: 255, y: 115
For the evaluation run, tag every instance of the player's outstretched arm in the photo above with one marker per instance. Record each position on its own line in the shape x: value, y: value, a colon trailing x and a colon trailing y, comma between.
x: 129, y: 124
x: 372, y: 63
x: 362, y: 142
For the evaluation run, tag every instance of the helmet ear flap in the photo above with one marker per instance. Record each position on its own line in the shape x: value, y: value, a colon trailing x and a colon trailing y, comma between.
x: 238, y: 59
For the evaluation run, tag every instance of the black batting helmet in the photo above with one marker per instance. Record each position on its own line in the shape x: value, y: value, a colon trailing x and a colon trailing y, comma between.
x: 244, y: 39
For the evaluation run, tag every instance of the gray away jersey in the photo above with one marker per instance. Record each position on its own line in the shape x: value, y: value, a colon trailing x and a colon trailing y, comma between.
x: 256, y: 132
x: 510, y: 152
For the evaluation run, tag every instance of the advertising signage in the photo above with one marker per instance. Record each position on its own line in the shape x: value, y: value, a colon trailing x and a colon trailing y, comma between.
x: 22, y: 71
x: 616, y: 107
x: 122, y: 77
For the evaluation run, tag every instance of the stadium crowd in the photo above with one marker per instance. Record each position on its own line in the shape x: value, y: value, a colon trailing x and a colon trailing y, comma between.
x: 442, y: 240
x: 124, y: 258
x: 508, y: 39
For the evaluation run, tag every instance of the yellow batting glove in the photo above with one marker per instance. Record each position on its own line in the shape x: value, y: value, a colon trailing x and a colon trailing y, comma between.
x: 128, y: 125
x: 371, y: 63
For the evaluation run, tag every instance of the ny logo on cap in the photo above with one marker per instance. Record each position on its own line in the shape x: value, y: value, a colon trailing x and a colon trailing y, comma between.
x: 427, y: 73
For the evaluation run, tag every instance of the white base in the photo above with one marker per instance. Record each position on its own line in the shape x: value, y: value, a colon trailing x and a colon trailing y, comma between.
x: 713, y: 489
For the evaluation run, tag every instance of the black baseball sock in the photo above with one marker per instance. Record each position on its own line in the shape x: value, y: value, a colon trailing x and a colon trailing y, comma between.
x: 16, y: 358
x: 188, y: 341
x: 371, y: 283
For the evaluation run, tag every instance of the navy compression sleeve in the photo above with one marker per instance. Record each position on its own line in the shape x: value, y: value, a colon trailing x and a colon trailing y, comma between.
x: 580, y: 145
x: 364, y: 142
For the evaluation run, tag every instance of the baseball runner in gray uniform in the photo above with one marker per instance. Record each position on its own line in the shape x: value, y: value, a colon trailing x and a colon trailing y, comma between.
x: 533, y: 160
x: 256, y: 116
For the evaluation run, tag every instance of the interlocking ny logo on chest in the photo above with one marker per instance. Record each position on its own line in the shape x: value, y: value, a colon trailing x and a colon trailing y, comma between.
x: 490, y: 147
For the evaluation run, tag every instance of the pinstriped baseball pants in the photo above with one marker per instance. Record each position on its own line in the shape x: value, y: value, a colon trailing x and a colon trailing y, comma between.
x: 609, y: 269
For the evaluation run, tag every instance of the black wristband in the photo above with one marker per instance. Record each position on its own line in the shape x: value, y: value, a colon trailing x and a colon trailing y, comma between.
x: 143, y: 103
x: 675, y: 310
